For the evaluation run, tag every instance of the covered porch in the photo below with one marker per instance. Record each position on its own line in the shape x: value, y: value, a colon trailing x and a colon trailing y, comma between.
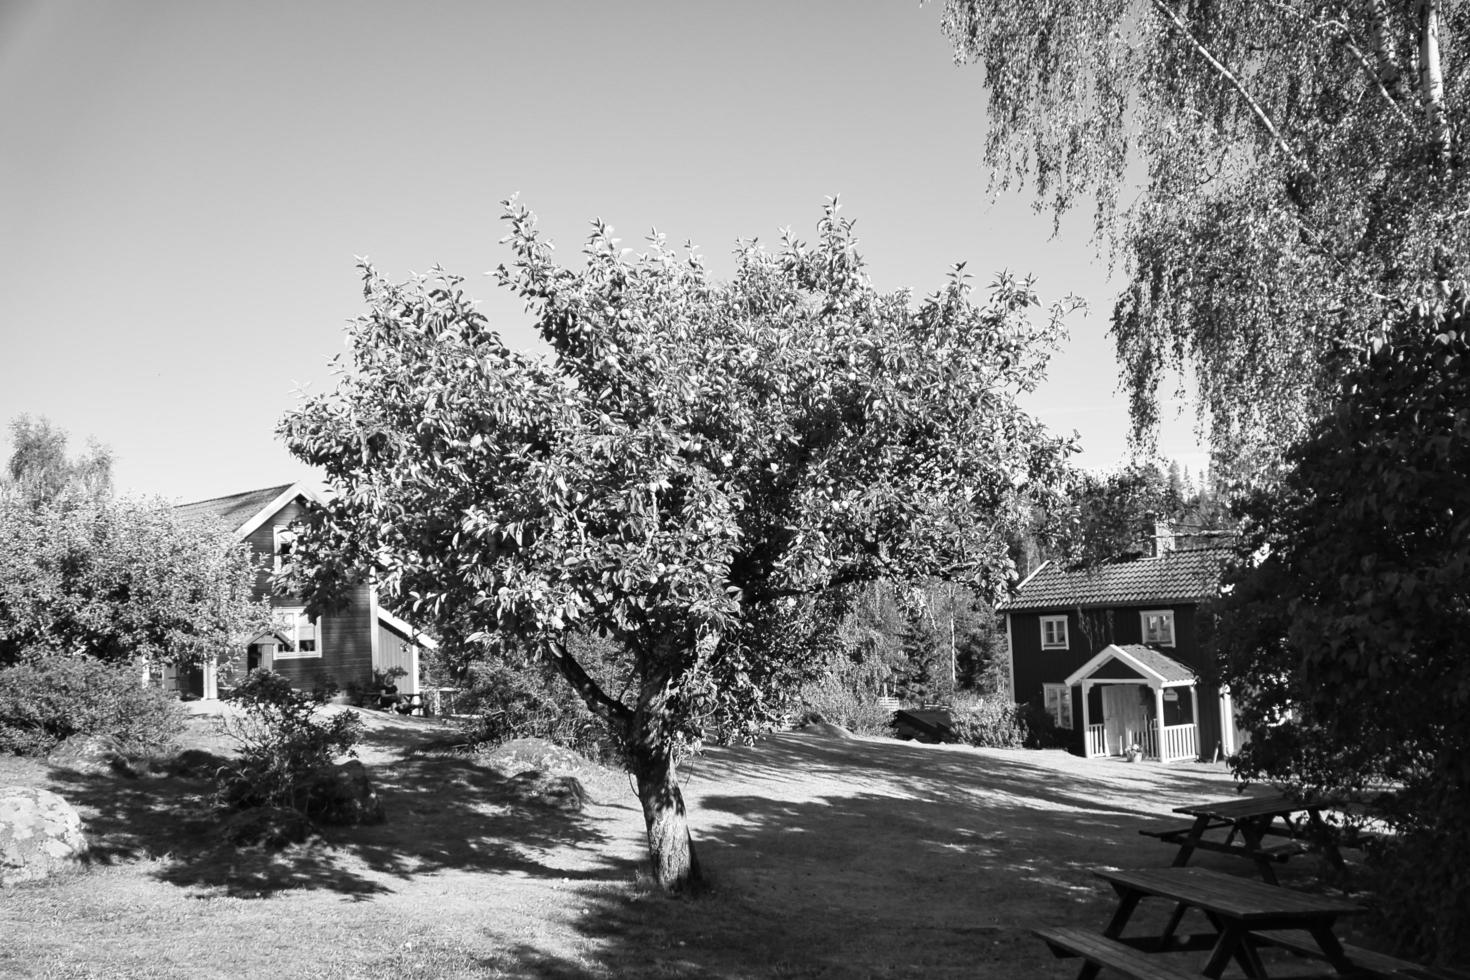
x: 1136, y: 699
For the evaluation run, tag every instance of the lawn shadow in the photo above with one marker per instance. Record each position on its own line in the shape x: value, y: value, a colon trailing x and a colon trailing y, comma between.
x: 443, y: 811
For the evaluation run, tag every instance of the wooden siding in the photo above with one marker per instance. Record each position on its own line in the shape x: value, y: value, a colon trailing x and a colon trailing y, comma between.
x: 1088, y: 632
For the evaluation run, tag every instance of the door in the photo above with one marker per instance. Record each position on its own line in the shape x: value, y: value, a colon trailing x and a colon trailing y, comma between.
x: 1124, y: 716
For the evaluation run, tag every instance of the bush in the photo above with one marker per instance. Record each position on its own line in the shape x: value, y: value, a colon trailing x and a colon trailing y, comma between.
x: 829, y: 699
x: 523, y: 698
x: 281, y: 742
x: 988, y: 722
x: 49, y: 697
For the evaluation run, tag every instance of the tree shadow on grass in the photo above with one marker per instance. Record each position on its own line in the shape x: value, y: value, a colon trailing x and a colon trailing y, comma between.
x: 442, y: 812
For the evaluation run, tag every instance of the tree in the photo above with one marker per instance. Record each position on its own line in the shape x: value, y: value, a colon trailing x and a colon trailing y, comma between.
x: 695, y: 471
x: 39, y: 468
x: 120, y: 581
x: 1302, y: 177
x: 1344, y: 645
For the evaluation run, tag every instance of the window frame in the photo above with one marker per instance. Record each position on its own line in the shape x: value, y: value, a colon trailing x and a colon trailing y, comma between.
x: 283, y: 534
x: 1062, y: 644
x: 1168, y: 616
x: 1058, y: 705
x: 290, y: 619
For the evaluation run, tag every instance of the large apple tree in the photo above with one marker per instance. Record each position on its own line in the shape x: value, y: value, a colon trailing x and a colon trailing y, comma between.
x: 696, y: 469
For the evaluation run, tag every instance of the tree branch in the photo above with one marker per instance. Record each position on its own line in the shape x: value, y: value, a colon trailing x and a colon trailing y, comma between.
x: 588, y: 689
x: 1235, y: 83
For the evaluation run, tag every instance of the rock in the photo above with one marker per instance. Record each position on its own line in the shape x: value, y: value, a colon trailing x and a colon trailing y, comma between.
x: 826, y: 729
x: 94, y: 754
x: 342, y: 794
x: 559, y: 792
x: 270, y: 827
x: 40, y: 833
x: 526, y: 754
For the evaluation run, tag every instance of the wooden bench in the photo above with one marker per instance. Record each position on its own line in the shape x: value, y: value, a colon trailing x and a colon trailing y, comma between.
x: 1273, y: 852
x: 1101, y: 951
x: 1379, y: 964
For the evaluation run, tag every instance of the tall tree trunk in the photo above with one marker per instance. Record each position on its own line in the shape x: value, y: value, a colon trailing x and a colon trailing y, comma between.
x: 675, y: 865
x: 1431, y: 81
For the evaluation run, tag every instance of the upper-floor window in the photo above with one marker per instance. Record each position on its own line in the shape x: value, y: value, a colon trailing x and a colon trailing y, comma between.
x: 285, y: 542
x: 1158, y: 627
x: 1053, y: 632
x: 299, y: 630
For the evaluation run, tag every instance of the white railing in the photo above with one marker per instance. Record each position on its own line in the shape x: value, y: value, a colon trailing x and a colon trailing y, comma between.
x: 1096, y: 741
x: 1146, y: 739
x: 1180, y: 742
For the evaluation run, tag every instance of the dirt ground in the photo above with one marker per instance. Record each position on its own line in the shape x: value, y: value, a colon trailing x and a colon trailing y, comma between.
x: 830, y: 857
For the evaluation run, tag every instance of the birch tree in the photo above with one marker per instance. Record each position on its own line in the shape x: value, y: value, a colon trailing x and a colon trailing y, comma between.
x: 695, y: 471
x: 1278, y: 179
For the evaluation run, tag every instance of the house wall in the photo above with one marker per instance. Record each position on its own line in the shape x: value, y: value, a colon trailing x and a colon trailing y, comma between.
x: 1089, y: 631
x: 344, y: 635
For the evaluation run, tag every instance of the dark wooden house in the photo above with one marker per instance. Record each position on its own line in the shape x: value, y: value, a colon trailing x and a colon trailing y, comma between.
x: 1113, y: 655
x: 343, y: 648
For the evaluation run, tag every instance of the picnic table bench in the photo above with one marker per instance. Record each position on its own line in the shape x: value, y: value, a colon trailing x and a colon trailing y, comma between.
x: 1249, y: 821
x: 1237, y: 909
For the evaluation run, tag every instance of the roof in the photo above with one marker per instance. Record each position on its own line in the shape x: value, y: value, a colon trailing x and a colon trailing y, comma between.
x: 244, y: 512
x: 232, y: 511
x: 1177, y: 576
x: 1159, y: 669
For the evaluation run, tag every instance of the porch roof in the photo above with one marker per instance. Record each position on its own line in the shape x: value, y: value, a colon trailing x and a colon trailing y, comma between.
x: 1158, y: 669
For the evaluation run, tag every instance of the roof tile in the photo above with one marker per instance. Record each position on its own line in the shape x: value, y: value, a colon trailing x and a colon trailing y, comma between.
x: 232, y: 511
x: 1179, y: 576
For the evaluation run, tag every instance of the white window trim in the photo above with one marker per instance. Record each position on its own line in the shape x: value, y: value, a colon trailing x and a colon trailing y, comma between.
x: 290, y: 618
x: 1168, y: 615
x: 282, y: 531
x: 1057, y: 700
x: 1064, y: 644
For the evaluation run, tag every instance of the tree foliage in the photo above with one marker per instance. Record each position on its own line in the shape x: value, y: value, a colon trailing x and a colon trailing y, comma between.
x: 39, y: 468
x: 1345, y: 644
x: 694, y: 471
x: 121, y: 581
x: 1279, y: 179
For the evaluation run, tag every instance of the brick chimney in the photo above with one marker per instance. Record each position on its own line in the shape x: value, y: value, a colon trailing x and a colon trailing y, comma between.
x: 1161, y: 541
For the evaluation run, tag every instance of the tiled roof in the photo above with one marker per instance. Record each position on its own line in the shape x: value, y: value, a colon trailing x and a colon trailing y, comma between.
x: 1160, y: 663
x: 232, y: 511
x: 1179, y: 576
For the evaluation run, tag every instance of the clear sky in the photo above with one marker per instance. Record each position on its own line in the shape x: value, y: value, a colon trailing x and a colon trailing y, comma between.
x: 184, y: 185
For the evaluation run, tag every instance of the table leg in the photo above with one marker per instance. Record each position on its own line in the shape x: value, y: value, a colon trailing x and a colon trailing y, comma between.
x: 1331, y: 948
x: 1128, y: 900
x: 1186, y: 847
x: 1324, y: 838
x: 1234, y: 943
x: 1254, y: 835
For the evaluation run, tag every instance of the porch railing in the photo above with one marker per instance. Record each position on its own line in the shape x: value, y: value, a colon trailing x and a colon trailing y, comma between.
x: 1096, y: 742
x: 1180, y: 742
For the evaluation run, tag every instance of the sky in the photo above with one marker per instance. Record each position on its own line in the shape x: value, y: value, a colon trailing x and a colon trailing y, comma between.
x: 185, y: 187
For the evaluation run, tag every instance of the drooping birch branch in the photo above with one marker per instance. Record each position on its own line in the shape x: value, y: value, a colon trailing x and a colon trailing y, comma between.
x: 1235, y: 83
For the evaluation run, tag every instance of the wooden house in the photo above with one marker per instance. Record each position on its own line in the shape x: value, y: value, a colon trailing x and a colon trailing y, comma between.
x: 348, y: 647
x: 1113, y: 653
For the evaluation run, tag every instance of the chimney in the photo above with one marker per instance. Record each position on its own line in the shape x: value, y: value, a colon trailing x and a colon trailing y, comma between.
x: 1162, y: 540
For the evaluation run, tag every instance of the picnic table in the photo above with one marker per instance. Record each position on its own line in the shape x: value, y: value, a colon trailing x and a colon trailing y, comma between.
x: 1250, y: 821
x: 1239, y: 910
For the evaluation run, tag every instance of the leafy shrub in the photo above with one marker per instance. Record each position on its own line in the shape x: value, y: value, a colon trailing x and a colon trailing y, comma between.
x: 988, y: 722
x: 281, y: 742
x: 522, y: 698
x: 831, y: 700
x: 48, y: 697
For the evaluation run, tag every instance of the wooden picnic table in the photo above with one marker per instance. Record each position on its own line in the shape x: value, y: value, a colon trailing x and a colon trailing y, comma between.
x: 1250, y: 821
x: 1238, y: 908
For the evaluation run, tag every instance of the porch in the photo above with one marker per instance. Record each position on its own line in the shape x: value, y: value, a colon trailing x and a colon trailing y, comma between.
x: 1147, y: 703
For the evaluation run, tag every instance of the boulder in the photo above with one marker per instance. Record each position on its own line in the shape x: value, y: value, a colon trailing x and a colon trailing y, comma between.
x: 197, y: 764
x: 342, y: 794
x: 270, y: 827
x: 94, y: 754
x: 40, y: 833
x: 559, y: 792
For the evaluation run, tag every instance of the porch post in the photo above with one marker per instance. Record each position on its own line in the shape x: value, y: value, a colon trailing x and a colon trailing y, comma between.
x: 1199, y: 750
x: 1159, y: 723
x: 1086, y: 720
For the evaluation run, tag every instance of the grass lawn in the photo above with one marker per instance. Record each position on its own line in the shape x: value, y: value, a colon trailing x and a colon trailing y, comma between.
x: 830, y: 857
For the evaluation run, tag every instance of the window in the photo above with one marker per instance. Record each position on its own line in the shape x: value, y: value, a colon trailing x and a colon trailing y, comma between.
x: 1158, y: 627
x: 1058, y: 701
x: 1053, y: 632
x: 300, y: 631
x: 285, y: 540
